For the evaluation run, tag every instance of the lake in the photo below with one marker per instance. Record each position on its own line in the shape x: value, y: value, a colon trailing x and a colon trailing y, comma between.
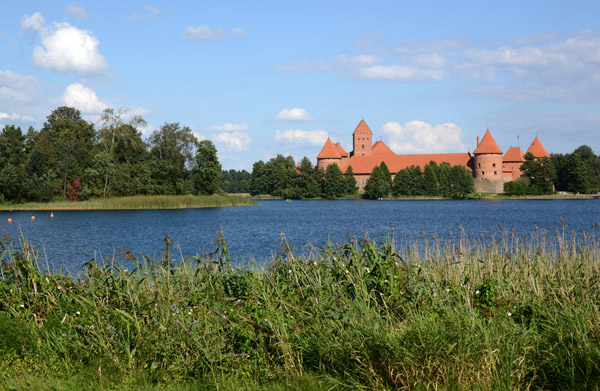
x: 72, y: 238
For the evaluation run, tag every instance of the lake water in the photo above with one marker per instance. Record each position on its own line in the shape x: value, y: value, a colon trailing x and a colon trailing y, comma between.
x: 72, y: 238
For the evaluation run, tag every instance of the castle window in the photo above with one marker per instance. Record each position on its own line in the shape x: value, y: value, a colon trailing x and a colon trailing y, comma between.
x: 495, y: 173
x: 478, y: 165
x: 363, y: 146
x: 493, y: 164
x: 482, y: 173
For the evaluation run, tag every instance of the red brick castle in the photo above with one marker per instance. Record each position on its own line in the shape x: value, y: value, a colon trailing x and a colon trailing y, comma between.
x: 489, y: 167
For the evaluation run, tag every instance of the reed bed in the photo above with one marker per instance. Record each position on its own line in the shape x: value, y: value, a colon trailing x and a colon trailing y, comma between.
x: 459, y: 313
x: 137, y: 202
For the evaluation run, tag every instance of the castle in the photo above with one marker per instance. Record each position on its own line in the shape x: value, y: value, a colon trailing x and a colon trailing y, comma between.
x: 489, y: 167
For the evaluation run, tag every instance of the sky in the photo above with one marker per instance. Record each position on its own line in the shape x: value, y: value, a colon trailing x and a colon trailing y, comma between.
x: 261, y: 78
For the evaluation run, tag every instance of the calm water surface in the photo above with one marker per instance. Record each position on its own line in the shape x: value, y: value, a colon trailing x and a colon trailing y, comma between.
x: 72, y: 238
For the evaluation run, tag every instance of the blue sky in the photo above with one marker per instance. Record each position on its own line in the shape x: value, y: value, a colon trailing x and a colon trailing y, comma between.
x: 261, y: 78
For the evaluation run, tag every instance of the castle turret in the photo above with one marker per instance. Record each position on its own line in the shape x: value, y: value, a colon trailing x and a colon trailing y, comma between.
x: 511, y: 163
x: 487, y: 160
x: 362, y: 140
x: 329, y: 154
x: 537, y: 149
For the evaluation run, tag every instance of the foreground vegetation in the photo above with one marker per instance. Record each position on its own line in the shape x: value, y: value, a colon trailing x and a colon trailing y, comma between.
x: 452, y: 313
x: 137, y: 202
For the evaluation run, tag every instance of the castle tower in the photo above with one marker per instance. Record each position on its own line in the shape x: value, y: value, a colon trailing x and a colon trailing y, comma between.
x: 537, y: 149
x: 511, y: 163
x: 328, y: 155
x: 487, y: 160
x: 362, y: 140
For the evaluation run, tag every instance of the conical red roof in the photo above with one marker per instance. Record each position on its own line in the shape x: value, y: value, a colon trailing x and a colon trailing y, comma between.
x: 328, y: 151
x: 379, y: 148
x: 514, y: 154
x: 362, y: 126
x: 340, y: 150
x: 487, y: 144
x: 537, y: 149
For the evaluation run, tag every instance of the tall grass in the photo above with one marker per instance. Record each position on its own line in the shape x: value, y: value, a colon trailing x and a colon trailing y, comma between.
x: 137, y: 202
x: 453, y: 314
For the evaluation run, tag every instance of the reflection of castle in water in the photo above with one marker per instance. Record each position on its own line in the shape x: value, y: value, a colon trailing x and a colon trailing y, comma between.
x: 490, y: 169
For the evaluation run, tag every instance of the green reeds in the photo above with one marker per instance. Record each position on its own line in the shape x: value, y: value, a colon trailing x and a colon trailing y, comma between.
x: 518, y: 312
x: 138, y: 202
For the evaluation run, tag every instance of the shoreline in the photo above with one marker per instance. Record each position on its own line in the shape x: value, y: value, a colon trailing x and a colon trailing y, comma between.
x: 137, y: 203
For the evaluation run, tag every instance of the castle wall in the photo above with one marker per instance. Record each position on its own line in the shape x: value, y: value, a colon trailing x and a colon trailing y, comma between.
x: 490, y: 185
x: 514, y: 168
x: 487, y: 166
x: 323, y: 163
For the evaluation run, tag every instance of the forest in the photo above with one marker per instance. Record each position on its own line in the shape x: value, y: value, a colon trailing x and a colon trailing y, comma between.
x: 68, y: 158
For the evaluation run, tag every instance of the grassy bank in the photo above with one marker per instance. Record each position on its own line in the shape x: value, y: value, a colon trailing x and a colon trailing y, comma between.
x: 457, y: 313
x: 137, y: 202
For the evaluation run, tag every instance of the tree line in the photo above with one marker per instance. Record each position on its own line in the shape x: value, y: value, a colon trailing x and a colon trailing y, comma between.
x: 71, y: 158
x: 281, y: 177
x: 434, y: 180
x: 576, y: 172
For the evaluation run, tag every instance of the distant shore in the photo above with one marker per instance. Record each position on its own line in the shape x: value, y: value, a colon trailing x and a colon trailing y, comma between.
x: 137, y: 202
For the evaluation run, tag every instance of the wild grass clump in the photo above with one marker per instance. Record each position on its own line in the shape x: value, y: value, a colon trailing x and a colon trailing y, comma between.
x: 138, y: 202
x: 516, y: 313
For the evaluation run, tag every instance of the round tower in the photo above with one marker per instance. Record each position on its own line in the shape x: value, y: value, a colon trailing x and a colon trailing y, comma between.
x: 487, y: 158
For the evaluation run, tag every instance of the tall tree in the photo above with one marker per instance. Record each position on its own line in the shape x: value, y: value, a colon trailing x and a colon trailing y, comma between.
x: 350, y: 181
x: 575, y: 175
x: 540, y: 172
x: 207, y: 169
x: 72, y: 139
x: 306, y: 179
x: 334, y: 185
x: 379, y: 184
x: 172, y: 150
x: 402, y: 183
x: 430, y: 181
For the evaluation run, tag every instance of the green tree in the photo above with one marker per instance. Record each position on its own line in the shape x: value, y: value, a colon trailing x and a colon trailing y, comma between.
x: 402, y: 183
x: 259, y: 183
x: 592, y: 165
x: 350, y: 187
x: 463, y: 182
x: 540, y: 172
x: 417, y: 185
x: 11, y: 183
x: 430, y: 181
x: 379, y: 184
x: 334, y: 185
x: 306, y: 179
x: 575, y: 175
x: 172, y: 150
x: 207, y: 169
x: 72, y: 139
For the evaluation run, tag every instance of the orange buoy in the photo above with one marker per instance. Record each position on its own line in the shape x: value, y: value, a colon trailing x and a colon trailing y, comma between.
x: 32, y: 217
x: 9, y: 220
x: 52, y: 215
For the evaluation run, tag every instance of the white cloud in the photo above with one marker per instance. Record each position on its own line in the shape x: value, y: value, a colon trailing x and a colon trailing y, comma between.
x: 148, y: 13
x: 64, y: 48
x: 236, y: 141
x: 204, y: 32
x: 33, y: 24
x: 421, y: 137
x: 83, y: 98
x: 15, y: 116
x: 301, y: 137
x: 226, y: 127
x: 239, y: 31
x: 76, y: 11
x: 295, y: 114
x: 17, y: 88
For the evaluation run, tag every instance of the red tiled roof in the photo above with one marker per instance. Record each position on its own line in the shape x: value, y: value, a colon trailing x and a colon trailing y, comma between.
x: 365, y: 164
x: 537, y: 149
x: 328, y: 151
x: 362, y: 126
x: 379, y: 148
x: 487, y: 144
x: 514, y: 154
x: 340, y: 150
